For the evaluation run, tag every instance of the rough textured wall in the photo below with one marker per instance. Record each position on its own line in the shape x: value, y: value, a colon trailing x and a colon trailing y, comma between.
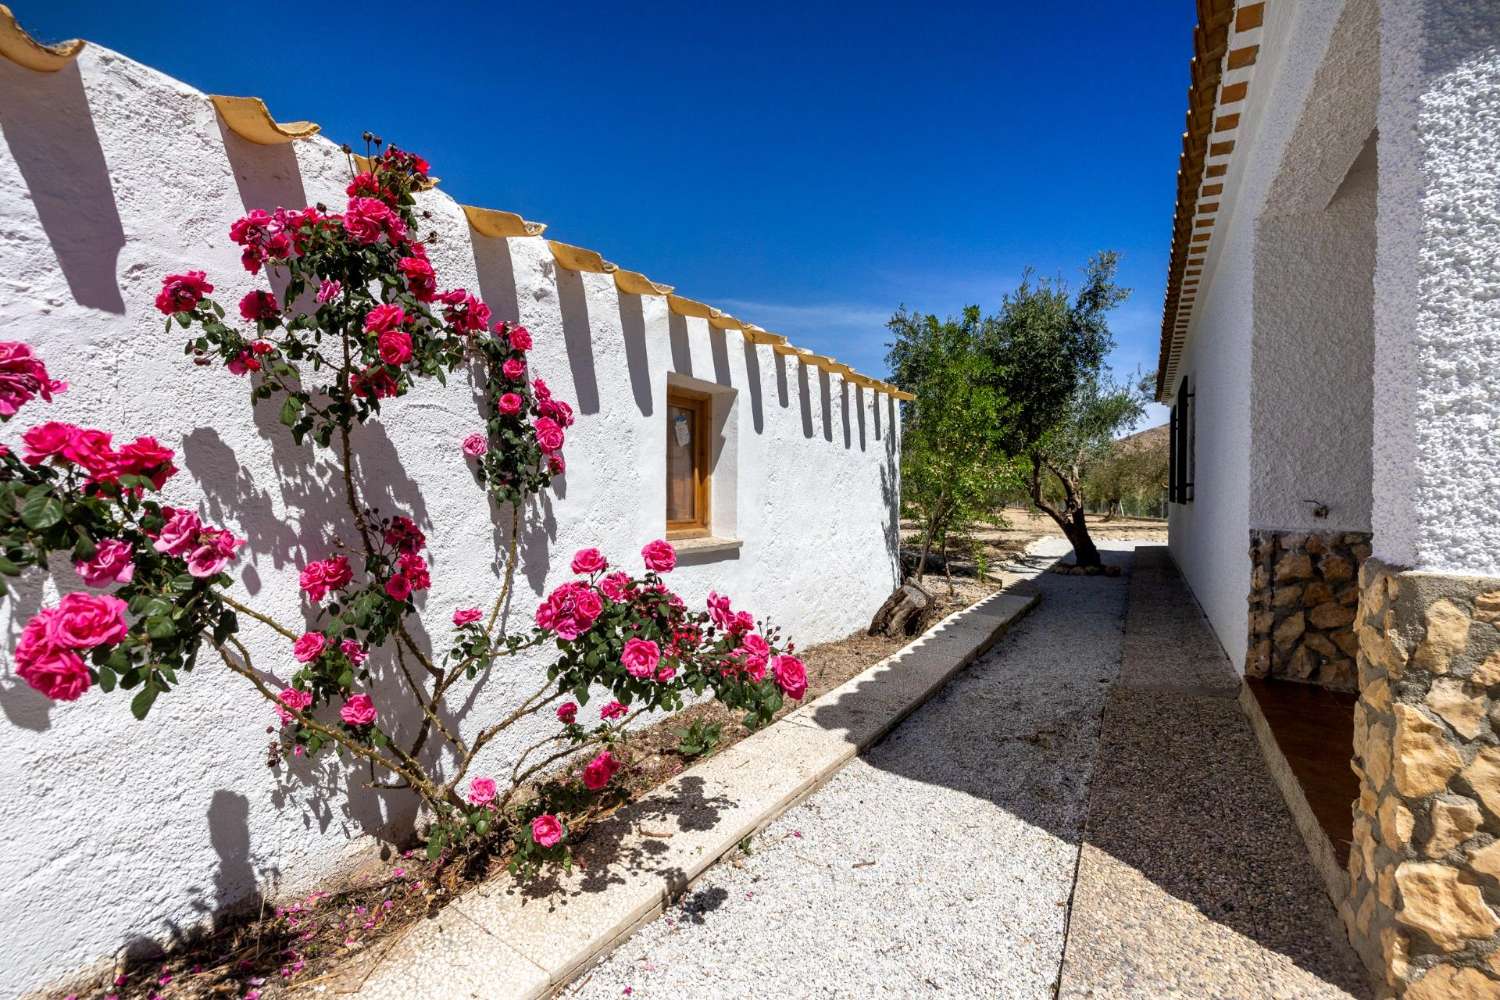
x: 1208, y: 535
x: 112, y: 175
x: 1437, y: 287
x: 1302, y: 601
x: 1425, y: 864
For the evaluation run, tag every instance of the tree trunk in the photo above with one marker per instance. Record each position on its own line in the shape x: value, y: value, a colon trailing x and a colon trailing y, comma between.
x: 1085, y: 552
x: 947, y: 571
x: 1071, y: 518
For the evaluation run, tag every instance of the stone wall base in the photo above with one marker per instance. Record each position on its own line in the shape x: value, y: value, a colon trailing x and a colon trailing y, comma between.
x: 1303, y: 594
x: 1423, y: 909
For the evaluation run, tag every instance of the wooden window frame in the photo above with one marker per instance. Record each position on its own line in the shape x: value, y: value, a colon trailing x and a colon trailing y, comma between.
x: 701, y: 403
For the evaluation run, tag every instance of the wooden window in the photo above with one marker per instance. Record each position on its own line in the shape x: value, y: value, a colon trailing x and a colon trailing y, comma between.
x: 687, y: 463
x: 1181, y: 457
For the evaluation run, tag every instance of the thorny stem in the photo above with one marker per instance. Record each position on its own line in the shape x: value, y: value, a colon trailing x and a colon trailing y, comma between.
x: 263, y: 619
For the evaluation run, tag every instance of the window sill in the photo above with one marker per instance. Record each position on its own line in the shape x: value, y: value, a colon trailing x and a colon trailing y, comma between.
x: 705, y: 545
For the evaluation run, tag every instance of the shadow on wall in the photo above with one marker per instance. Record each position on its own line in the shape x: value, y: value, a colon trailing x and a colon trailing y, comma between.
x: 677, y: 339
x: 573, y: 301
x: 633, y: 332
x: 825, y: 397
x: 752, y: 378
x: 496, y: 269
x: 50, y: 133
x: 804, y: 394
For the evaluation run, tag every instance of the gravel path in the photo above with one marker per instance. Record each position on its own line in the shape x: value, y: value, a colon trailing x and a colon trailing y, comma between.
x: 941, y: 862
x: 951, y: 859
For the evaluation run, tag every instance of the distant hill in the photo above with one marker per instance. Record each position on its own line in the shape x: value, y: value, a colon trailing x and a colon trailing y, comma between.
x: 1150, y: 439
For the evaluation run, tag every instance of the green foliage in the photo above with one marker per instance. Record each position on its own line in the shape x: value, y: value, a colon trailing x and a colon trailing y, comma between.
x: 698, y: 739
x: 952, y: 464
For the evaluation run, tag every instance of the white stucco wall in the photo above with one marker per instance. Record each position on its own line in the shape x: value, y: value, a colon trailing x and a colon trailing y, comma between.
x: 1313, y: 310
x: 1437, y: 287
x: 1209, y: 537
x: 112, y: 175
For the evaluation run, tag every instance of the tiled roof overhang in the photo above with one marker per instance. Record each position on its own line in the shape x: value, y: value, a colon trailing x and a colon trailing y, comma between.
x: 1226, y: 44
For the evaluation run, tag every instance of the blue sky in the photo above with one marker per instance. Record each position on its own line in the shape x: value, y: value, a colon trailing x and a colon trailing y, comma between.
x: 807, y: 167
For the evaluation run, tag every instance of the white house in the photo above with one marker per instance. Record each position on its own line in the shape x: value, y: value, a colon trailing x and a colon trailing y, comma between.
x: 1331, y: 351
x: 112, y: 175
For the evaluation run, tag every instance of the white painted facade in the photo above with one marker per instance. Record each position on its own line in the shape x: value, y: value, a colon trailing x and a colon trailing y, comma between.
x: 1344, y: 348
x: 112, y: 175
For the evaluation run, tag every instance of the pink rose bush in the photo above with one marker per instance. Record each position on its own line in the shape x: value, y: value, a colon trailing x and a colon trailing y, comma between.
x: 361, y: 319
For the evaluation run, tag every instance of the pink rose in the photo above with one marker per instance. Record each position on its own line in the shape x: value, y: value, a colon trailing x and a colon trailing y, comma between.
x: 414, y: 568
x: 791, y: 676
x: 182, y: 292
x: 556, y: 465
x: 743, y: 621
x: 467, y: 314
x: 394, y: 347
x: 540, y: 390
x: 567, y: 712
x: 640, y: 657
x: 145, y: 457
x: 398, y: 587
x: 357, y: 654
x: 404, y: 535
x: 309, y: 647
x: 83, y: 621
x: 259, y: 307
x: 293, y: 699
x: 481, y: 791
x: 616, y: 587
x: 384, y: 318
x: 366, y: 219
x: 318, y: 578
x: 520, y: 338
x: 46, y: 440
x: 598, y: 772
x: 612, y: 711
x: 464, y: 616
x: 179, y: 533
x: 587, y: 561
x: 569, y: 610
x: 358, y: 711
x: 214, y: 548
x: 659, y: 556
x: 513, y: 368
x: 328, y: 290
x: 91, y: 450
x: 557, y: 410
x: 55, y: 671
x: 549, y: 435
x: 22, y: 376
x: 110, y: 563
x: 509, y: 404
x: 546, y: 830
x: 754, y: 645
x: 476, y: 444
x: 421, y: 281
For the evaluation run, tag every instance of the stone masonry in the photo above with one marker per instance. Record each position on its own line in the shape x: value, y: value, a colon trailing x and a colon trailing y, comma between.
x: 1424, y: 904
x: 1303, y: 596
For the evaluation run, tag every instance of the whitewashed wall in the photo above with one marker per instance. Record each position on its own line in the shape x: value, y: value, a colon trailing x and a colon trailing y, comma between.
x: 112, y: 175
x: 1437, y: 287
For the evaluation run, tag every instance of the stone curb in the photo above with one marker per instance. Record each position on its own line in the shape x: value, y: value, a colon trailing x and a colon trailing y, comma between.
x: 501, y: 941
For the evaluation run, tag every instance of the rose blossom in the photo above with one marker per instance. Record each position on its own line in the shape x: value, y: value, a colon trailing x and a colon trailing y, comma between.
x: 753, y: 645
x: 384, y: 318
x: 612, y: 711
x: 420, y: 279
x: 179, y: 533
x: 555, y: 464
x: 309, y: 647
x: 567, y: 712
x: 467, y: 314
x: 481, y: 791
x: 569, y: 610
x: 513, y: 368
x: 91, y: 450
x: 46, y: 440
x: 587, y: 561
x: 548, y: 434
x: 215, y: 548
x: 476, y: 444
x: 259, y: 307
x: 366, y: 219
x: 182, y: 292
x: 294, y: 699
x: 83, y: 621
x: 404, y: 535
x: 110, y: 563
x: 398, y: 587
x: 359, y: 710
x: 546, y: 830
x: 615, y: 586
x: 56, y: 672
x: 509, y: 404
x: 640, y: 657
x: 145, y: 457
x: 659, y: 556
x: 598, y: 772
x: 356, y: 653
x: 328, y: 291
x: 557, y: 410
x: 22, y: 376
x: 464, y: 616
x: 791, y: 676
x: 520, y: 338
x: 394, y: 347
x: 318, y: 578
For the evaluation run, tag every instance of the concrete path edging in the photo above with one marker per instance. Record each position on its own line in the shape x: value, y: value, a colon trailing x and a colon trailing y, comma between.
x: 506, y: 941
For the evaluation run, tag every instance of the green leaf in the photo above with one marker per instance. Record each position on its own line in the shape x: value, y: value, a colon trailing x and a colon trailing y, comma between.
x: 291, y: 410
x: 41, y: 509
x: 160, y: 627
x: 141, y: 703
x: 106, y: 679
